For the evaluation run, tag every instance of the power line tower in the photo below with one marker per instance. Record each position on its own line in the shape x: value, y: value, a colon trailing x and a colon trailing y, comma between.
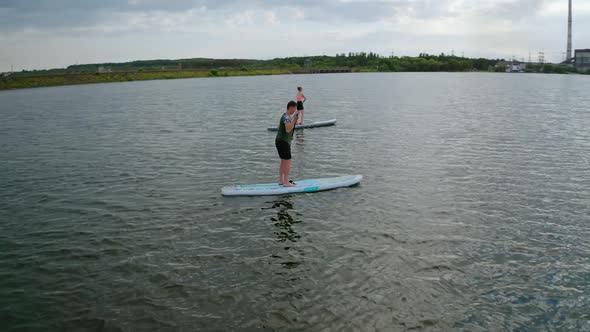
x: 541, y: 57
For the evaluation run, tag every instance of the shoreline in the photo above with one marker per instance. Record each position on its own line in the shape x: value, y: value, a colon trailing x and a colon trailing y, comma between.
x: 18, y: 83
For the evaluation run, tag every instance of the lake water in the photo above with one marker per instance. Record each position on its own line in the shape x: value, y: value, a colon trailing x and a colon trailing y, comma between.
x: 474, y: 212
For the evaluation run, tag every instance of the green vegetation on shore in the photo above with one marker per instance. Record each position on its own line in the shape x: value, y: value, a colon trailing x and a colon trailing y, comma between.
x: 89, y: 78
x: 200, y: 67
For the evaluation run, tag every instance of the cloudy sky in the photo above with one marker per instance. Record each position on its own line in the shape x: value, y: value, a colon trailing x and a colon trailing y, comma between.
x: 36, y: 34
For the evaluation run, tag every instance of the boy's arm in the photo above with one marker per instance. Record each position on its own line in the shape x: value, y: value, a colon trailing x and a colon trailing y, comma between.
x: 289, y: 126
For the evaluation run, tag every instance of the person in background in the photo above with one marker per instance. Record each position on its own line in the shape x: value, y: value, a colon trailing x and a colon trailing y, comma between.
x: 283, y: 142
x: 300, y: 100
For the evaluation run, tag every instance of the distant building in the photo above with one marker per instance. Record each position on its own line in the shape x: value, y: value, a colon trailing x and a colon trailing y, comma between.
x: 582, y: 59
x: 512, y: 66
x: 103, y: 70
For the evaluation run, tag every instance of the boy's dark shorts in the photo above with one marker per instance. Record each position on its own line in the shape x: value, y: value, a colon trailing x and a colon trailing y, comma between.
x: 284, y: 149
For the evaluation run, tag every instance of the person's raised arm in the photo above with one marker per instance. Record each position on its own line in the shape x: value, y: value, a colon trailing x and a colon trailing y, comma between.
x: 291, y: 124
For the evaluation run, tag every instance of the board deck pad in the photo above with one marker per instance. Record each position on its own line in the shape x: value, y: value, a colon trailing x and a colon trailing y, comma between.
x: 311, y: 125
x: 302, y: 186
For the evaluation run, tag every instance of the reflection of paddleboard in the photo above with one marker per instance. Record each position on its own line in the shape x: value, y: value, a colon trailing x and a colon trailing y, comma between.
x: 311, y: 125
x: 302, y: 186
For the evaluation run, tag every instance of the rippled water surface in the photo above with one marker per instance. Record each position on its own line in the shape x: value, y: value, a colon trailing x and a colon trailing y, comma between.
x: 474, y: 213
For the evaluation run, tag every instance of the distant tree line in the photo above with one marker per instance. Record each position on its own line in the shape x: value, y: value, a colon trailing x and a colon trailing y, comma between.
x: 361, y: 60
x: 197, y: 63
x: 424, y: 62
x: 548, y: 68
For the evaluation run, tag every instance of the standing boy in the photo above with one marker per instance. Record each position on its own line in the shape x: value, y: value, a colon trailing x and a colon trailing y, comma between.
x: 283, y: 142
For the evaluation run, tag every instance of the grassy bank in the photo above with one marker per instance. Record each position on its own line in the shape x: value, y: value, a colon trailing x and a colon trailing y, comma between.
x: 91, y: 78
x: 387, y: 65
x: 202, y: 67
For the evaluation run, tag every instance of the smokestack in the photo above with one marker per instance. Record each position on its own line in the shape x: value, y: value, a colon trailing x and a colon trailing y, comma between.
x: 569, y: 34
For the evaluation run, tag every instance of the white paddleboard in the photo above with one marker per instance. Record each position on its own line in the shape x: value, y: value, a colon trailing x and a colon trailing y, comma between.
x: 311, y: 125
x: 302, y: 186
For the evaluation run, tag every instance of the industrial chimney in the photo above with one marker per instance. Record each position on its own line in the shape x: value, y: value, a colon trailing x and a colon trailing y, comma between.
x: 568, y: 58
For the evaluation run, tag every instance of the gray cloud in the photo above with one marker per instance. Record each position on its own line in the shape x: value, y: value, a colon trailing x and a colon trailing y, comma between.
x: 352, y: 11
x: 47, y: 14
x: 514, y: 10
x: 54, y: 6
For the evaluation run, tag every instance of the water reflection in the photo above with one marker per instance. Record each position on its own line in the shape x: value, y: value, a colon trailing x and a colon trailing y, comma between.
x: 299, y: 136
x: 284, y: 221
x: 298, y: 166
